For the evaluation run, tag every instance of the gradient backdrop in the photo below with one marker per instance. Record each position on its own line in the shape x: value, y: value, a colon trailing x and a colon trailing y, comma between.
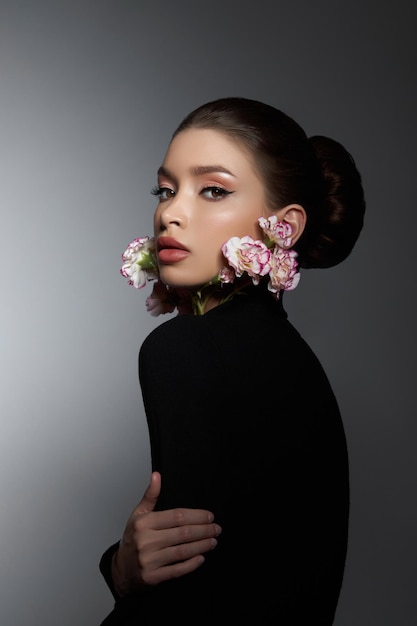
x: 90, y: 92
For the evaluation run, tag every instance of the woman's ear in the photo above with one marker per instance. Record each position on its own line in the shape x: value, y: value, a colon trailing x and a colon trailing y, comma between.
x: 295, y: 215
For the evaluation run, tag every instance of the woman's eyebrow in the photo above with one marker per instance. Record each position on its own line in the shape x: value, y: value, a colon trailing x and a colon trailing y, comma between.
x: 162, y: 171
x: 210, y: 169
x: 197, y: 171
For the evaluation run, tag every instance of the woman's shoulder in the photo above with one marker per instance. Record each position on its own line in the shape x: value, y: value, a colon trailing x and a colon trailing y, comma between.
x: 179, y: 337
x: 179, y: 325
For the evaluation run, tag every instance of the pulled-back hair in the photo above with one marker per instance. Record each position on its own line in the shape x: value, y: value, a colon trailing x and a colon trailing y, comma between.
x: 317, y: 173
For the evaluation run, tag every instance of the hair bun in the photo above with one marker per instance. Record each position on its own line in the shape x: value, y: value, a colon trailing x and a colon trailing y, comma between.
x: 340, y: 220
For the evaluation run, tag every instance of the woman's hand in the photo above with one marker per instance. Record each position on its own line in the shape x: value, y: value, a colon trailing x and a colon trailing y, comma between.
x: 160, y: 545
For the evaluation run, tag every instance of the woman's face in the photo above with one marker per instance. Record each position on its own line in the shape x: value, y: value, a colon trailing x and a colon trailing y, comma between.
x: 208, y: 192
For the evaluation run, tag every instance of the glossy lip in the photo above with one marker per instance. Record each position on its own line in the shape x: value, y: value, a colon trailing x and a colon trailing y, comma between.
x: 170, y: 250
x: 169, y: 242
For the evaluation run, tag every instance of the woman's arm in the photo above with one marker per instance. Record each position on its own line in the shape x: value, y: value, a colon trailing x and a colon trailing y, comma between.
x: 161, y: 545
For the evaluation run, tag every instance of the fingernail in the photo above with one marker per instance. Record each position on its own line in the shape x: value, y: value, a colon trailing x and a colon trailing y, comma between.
x: 218, y: 529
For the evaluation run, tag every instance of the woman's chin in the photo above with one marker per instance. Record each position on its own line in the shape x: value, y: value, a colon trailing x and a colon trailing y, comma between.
x: 173, y: 279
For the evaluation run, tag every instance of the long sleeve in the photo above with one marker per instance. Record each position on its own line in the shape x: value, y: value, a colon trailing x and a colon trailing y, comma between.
x: 105, y: 568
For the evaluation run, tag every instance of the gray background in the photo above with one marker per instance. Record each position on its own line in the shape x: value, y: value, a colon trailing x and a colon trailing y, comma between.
x: 90, y: 92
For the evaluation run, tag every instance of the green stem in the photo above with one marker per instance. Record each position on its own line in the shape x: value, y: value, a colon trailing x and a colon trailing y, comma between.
x: 199, y: 301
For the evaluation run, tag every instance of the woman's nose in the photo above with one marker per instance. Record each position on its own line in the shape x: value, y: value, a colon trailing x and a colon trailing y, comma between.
x: 174, y: 212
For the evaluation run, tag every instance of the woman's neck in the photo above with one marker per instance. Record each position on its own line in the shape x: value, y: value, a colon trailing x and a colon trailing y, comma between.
x: 206, y: 298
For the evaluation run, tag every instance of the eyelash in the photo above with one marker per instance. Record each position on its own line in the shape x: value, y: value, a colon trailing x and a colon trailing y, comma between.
x: 223, y: 192
x: 159, y: 191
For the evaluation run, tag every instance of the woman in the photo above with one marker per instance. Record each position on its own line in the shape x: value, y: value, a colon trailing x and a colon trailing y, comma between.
x: 245, y: 519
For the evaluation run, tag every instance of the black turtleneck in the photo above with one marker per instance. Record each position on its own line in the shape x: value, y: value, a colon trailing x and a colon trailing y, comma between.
x: 243, y: 422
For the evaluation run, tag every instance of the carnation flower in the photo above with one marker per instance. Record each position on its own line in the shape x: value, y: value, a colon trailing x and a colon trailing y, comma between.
x: 227, y: 275
x: 247, y: 255
x: 159, y: 302
x: 283, y: 274
x: 278, y: 232
x: 164, y: 299
x: 139, y: 263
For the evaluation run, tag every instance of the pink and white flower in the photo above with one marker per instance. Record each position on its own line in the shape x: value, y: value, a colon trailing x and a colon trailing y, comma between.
x: 247, y: 255
x: 159, y: 302
x: 139, y: 263
x: 283, y: 274
x: 227, y: 275
x: 278, y: 232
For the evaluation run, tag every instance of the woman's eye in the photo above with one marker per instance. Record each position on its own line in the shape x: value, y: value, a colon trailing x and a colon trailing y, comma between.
x: 215, y: 193
x: 163, y: 193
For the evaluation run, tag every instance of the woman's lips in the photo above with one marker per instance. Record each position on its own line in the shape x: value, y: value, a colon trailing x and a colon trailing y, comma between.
x: 170, y: 250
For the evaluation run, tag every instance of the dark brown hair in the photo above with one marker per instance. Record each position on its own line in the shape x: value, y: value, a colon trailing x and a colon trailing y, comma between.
x: 318, y: 173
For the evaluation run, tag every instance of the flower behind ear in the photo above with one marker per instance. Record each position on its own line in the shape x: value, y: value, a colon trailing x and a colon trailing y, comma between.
x: 278, y: 232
